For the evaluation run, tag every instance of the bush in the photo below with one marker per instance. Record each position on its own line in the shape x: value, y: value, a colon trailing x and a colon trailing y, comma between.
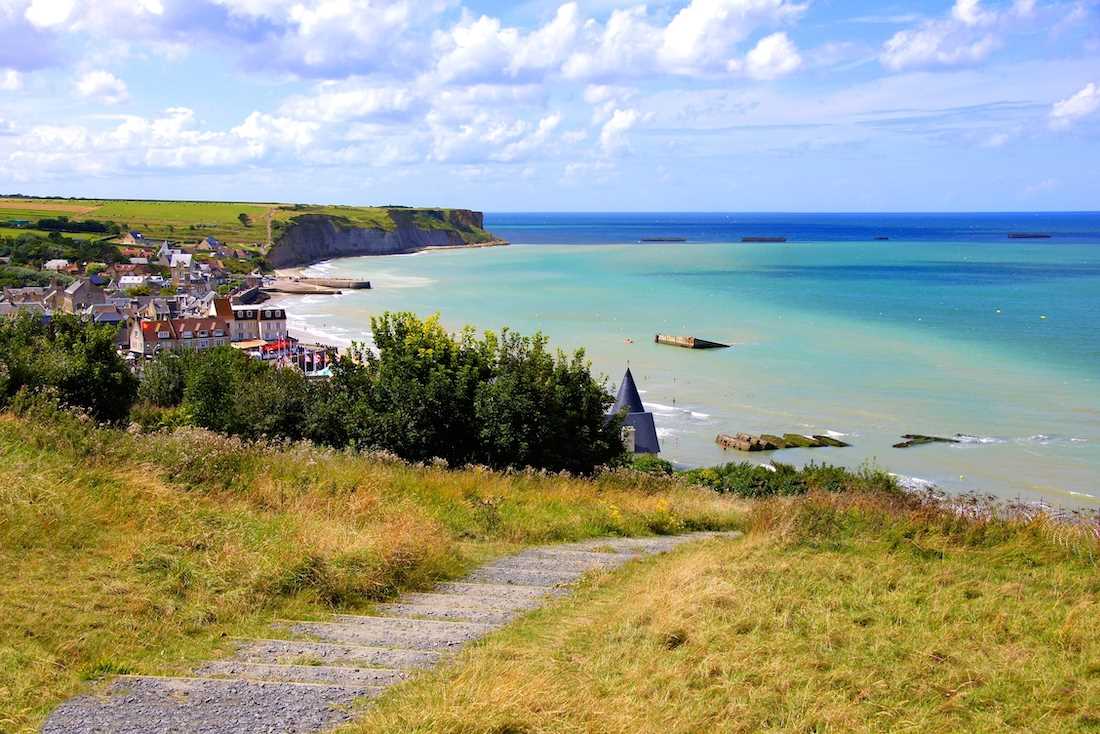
x: 162, y: 381
x: 651, y: 464
x: 75, y: 361
x: 780, y: 480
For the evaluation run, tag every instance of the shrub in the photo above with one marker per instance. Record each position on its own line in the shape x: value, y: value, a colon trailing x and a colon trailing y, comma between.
x: 73, y: 359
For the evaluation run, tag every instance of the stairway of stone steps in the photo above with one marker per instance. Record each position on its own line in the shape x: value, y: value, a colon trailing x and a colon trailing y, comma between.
x: 312, y: 680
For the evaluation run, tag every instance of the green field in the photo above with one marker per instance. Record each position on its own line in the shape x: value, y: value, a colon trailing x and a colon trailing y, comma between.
x: 190, y: 221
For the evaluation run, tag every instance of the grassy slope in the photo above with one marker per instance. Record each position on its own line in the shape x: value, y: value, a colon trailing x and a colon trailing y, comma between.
x: 141, y: 553
x: 191, y: 221
x: 832, y: 615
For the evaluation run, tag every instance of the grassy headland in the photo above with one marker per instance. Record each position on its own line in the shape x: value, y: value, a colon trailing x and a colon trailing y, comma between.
x: 142, y: 553
x: 836, y: 613
x: 238, y: 223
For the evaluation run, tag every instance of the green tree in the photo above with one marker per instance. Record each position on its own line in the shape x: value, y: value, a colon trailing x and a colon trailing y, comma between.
x: 162, y: 381
x: 545, y: 410
x: 245, y: 219
x: 422, y: 382
x: 75, y: 360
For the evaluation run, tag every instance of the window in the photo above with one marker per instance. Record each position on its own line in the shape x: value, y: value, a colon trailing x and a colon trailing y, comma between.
x: 203, y: 334
x: 187, y: 335
x: 163, y: 335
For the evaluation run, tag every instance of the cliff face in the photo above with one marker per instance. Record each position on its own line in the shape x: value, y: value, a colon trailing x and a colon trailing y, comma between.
x: 311, y: 238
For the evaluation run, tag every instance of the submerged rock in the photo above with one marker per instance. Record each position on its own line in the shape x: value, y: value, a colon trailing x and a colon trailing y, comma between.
x: 916, y: 439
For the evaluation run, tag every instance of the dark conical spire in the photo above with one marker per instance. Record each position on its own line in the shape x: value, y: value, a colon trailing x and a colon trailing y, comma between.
x: 628, y: 396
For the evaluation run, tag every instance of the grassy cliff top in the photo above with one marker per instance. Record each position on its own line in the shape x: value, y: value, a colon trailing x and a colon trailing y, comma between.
x: 192, y: 220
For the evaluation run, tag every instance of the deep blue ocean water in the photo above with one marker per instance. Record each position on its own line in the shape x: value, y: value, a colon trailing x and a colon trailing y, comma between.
x: 566, y: 228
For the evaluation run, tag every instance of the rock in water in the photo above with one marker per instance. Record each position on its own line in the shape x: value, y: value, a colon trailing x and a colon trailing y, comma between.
x: 830, y: 441
x: 916, y: 439
x: 797, y: 440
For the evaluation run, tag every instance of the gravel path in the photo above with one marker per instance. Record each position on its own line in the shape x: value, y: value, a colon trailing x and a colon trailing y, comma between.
x: 312, y: 682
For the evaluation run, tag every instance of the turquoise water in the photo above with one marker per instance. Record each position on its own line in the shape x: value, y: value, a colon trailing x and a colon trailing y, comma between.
x: 867, y: 340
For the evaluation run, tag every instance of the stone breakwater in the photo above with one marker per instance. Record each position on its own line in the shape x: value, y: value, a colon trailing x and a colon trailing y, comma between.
x: 311, y: 680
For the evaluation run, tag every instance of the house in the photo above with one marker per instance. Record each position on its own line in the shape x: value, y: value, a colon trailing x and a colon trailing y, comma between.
x: 132, y: 238
x: 109, y: 313
x: 639, y: 431
x: 126, y: 282
x: 165, y: 253
x: 56, y: 265
x: 133, y: 252
x: 139, y: 261
x: 79, y: 295
x: 183, y: 267
x: 149, y: 337
x: 209, y: 244
x: 252, y: 323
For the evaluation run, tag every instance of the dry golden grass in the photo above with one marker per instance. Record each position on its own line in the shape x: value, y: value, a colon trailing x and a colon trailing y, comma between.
x: 143, y: 553
x: 835, y: 614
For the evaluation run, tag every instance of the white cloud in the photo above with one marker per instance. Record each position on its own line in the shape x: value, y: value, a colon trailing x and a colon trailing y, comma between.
x: 103, y: 86
x: 10, y: 80
x: 774, y: 56
x: 702, y: 34
x: 1068, y: 111
x: 267, y: 130
x: 968, y: 34
x: 48, y: 13
x: 353, y: 100
x: 613, y: 133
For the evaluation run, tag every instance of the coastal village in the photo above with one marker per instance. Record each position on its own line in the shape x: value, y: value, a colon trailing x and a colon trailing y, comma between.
x: 163, y: 295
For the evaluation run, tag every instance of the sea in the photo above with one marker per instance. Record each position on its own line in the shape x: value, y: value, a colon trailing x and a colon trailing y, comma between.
x: 863, y: 327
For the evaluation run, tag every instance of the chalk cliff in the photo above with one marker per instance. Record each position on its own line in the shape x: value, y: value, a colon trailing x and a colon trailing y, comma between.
x: 311, y: 238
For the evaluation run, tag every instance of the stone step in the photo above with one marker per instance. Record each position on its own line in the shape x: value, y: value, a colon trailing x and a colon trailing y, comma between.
x: 300, y: 652
x: 149, y: 705
x: 474, y: 599
x: 334, y: 674
x: 498, y: 591
x: 533, y: 562
x: 565, y: 551
x: 503, y: 574
x: 493, y: 617
x: 412, y: 634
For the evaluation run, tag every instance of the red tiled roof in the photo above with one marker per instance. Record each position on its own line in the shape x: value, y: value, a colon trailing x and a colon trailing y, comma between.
x: 176, y: 327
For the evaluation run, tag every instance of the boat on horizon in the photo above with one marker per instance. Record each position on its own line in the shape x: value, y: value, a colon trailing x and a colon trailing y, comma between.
x: 763, y: 239
x: 1029, y: 235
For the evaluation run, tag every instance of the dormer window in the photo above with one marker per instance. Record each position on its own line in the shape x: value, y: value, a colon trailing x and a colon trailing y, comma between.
x: 188, y: 335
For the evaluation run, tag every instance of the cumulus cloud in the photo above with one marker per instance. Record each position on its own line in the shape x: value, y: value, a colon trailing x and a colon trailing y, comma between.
x: 613, y: 133
x: 348, y: 101
x: 48, y: 13
x: 102, y: 86
x: 1068, y: 111
x: 10, y: 80
x: 774, y: 56
x: 967, y: 34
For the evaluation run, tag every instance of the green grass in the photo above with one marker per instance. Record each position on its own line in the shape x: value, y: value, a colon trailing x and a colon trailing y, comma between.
x: 18, y: 231
x: 190, y: 221
x: 836, y: 613
x: 143, y: 553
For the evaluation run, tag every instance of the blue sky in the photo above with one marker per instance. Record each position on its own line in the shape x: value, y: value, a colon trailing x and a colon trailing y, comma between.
x: 717, y: 105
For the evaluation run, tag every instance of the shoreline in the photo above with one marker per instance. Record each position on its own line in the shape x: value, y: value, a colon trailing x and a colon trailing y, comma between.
x: 297, y: 270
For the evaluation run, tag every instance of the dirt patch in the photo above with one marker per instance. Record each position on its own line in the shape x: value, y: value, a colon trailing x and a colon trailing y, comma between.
x: 46, y: 206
